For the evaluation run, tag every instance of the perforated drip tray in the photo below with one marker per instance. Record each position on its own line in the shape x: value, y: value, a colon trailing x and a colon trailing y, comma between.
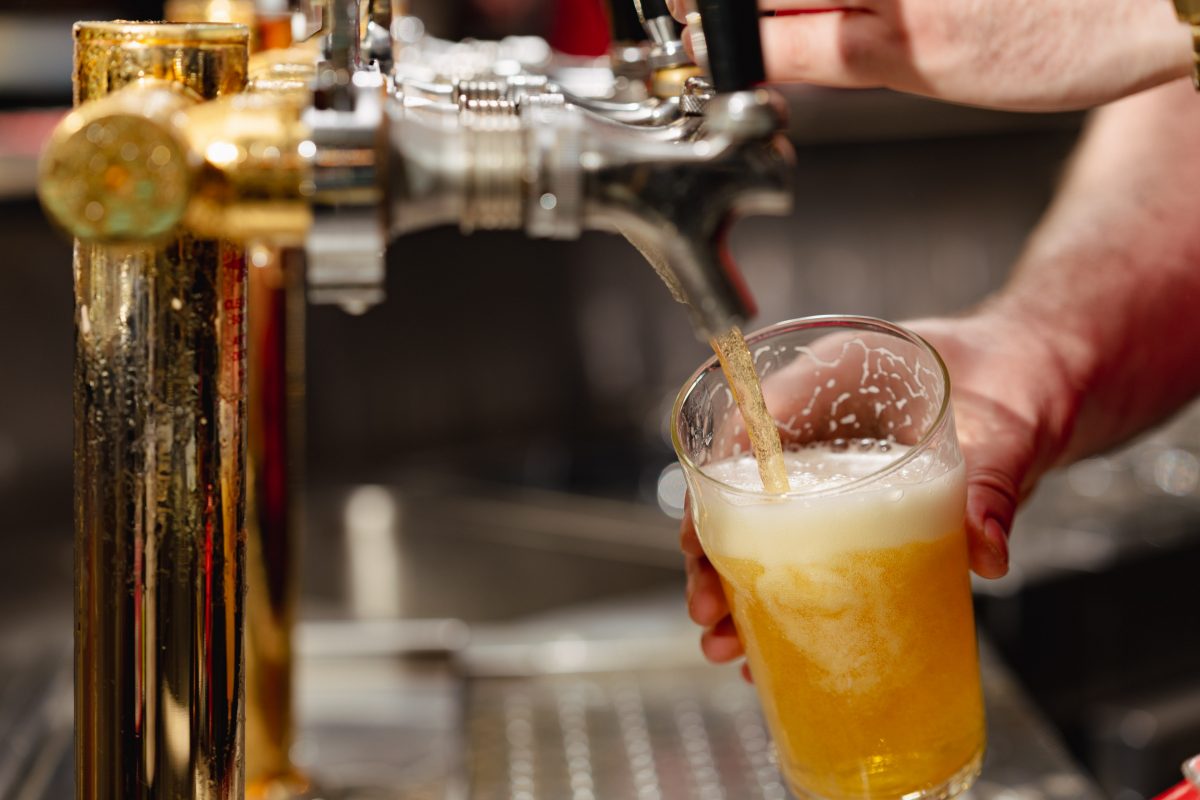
x: 695, y: 734
x: 643, y: 736
x: 622, y: 711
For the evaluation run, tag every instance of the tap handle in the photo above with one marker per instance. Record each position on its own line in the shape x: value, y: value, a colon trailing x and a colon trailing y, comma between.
x: 624, y: 22
x: 652, y: 9
x: 734, y: 43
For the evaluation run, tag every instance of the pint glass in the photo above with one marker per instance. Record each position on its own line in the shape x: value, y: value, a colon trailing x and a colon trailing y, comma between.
x: 851, y: 592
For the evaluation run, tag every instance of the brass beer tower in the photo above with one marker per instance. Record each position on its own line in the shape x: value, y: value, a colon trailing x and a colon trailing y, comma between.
x: 159, y: 433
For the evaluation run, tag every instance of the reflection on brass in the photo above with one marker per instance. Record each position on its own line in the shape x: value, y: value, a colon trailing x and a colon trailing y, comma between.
x: 276, y: 353
x: 666, y: 83
x: 289, y: 71
x: 267, y: 31
x: 117, y: 168
x: 241, y: 12
x: 254, y: 174
x: 159, y: 459
x: 234, y: 167
x: 208, y: 59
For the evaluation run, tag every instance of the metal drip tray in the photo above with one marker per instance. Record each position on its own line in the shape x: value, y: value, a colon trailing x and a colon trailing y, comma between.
x: 611, y: 702
x: 643, y: 736
x: 696, y: 734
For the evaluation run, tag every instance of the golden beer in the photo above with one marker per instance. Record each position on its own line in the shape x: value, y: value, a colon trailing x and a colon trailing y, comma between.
x: 851, y: 591
x: 864, y: 653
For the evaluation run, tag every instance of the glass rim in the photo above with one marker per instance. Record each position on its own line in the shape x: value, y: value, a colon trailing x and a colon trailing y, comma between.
x: 859, y: 322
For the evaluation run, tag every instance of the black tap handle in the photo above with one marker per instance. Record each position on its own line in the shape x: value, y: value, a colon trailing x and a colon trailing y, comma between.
x: 734, y: 43
x: 624, y: 22
x: 651, y: 9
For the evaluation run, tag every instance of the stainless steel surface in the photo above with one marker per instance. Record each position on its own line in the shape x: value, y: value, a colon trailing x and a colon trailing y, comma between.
x: 606, y: 700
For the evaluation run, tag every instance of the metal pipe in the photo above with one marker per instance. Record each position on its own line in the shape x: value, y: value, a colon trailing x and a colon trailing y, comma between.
x: 159, y: 456
x: 276, y: 389
x: 275, y: 462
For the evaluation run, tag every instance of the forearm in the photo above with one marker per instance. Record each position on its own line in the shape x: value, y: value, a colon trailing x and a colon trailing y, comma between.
x: 1111, y: 279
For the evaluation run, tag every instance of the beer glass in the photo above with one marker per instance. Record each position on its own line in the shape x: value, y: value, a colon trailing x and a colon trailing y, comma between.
x: 851, y: 592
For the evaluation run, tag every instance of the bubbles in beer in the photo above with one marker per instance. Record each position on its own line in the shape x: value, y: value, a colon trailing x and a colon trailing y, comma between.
x: 815, y: 467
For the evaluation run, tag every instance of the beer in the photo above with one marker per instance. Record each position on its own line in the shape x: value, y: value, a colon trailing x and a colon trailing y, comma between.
x: 738, y: 366
x: 855, y: 612
x: 849, y: 583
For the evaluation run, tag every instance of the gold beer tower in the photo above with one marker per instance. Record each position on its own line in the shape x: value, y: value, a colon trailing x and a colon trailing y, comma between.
x: 159, y: 434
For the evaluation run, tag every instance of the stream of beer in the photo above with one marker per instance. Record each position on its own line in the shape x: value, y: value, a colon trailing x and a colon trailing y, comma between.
x: 738, y: 365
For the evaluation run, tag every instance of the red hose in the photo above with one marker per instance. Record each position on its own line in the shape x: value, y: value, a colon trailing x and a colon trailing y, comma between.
x: 1181, y: 791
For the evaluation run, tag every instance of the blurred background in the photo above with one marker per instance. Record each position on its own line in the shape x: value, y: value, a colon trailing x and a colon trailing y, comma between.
x: 490, y: 444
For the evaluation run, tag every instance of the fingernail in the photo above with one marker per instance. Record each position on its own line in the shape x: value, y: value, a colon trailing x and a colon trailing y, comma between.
x: 997, y: 541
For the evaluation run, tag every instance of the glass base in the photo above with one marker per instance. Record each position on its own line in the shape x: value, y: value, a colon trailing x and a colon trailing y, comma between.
x: 958, y: 783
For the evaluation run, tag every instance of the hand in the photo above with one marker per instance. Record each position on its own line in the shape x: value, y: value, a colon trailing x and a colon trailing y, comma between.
x: 1021, y: 55
x: 1014, y: 408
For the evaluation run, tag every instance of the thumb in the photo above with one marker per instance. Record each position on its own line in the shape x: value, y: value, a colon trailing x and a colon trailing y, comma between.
x: 999, y: 450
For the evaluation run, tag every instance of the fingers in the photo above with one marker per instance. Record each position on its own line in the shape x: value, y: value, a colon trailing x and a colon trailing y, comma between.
x: 842, y: 48
x: 678, y: 8
x: 689, y: 542
x: 800, y: 6
x: 999, y: 448
x: 720, y: 643
x: 705, y: 598
x: 992, y: 495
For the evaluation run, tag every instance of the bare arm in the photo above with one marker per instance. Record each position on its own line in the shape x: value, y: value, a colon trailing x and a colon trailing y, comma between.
x: 1115, y: 266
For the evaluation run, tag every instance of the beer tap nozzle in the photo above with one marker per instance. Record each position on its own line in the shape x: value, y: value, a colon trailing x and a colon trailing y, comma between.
x: 677, y: 206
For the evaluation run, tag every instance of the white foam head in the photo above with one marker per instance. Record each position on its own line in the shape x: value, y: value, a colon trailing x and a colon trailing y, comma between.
x: 831, y: 509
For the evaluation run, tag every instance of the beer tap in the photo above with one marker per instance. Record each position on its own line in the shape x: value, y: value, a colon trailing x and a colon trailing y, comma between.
x: 525, y: 157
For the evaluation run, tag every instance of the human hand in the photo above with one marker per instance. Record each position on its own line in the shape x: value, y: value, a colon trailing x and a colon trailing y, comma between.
x: 1014, y: 408
x: 1021, y: 55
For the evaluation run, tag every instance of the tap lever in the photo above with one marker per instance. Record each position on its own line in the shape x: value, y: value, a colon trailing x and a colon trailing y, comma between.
x: 625, y: 24
x: 652, y: 9
x: 734, y: 43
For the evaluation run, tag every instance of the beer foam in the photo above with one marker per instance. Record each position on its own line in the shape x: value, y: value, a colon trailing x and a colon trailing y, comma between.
x: 920, y: 501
